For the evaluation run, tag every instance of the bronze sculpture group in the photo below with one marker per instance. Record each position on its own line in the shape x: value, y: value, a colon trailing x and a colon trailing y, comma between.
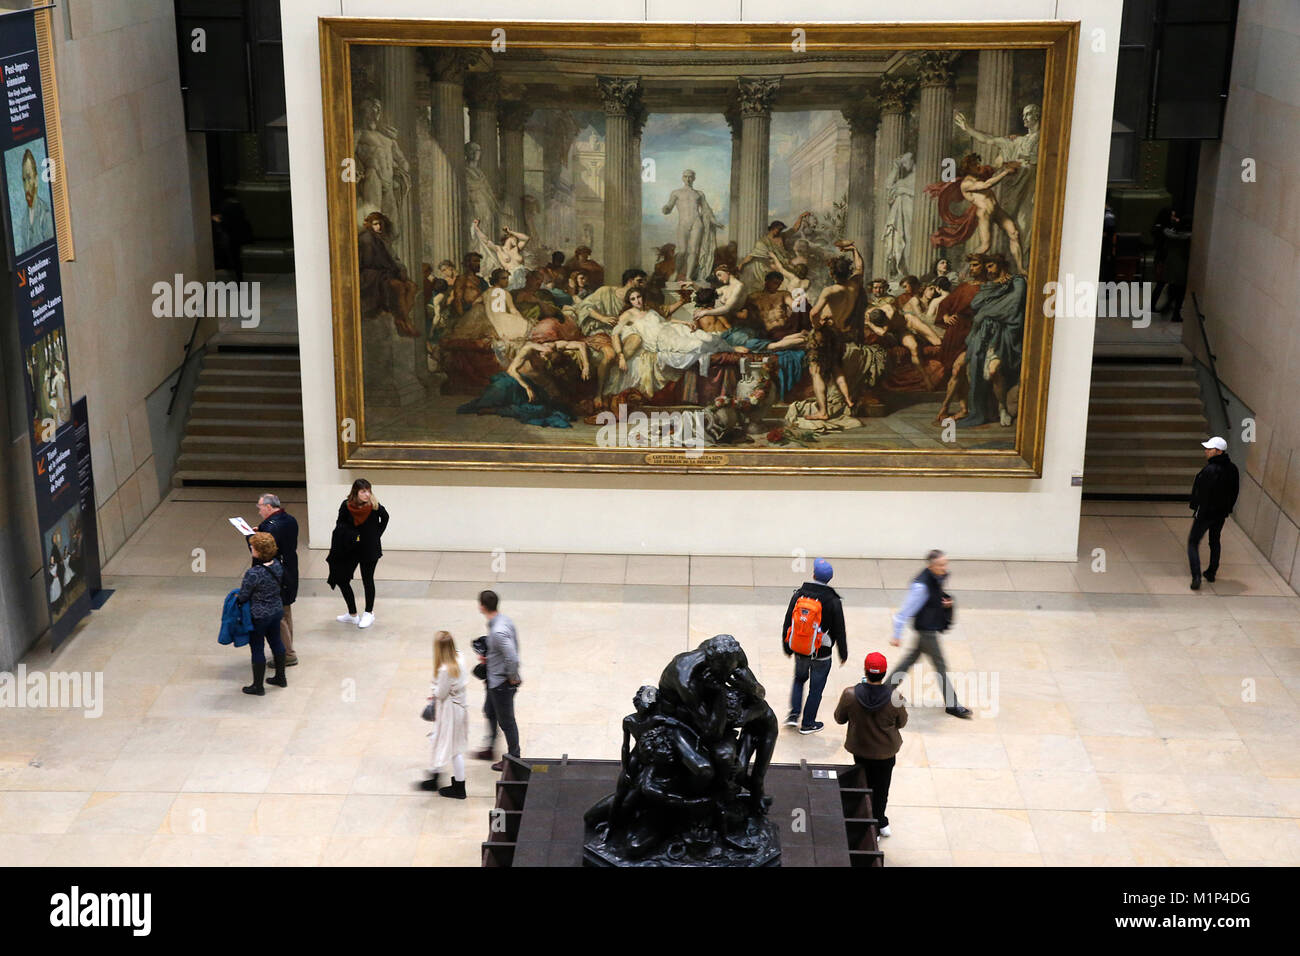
x: 695, y: 755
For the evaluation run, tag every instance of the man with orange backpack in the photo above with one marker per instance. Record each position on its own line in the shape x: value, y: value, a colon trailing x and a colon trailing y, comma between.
x: 814, y: 624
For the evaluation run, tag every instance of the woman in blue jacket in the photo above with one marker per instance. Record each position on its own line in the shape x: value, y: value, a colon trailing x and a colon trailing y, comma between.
x: 260, y: 590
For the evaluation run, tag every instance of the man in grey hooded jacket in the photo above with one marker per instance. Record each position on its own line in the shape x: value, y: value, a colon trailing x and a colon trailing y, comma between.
x: 873, y: 737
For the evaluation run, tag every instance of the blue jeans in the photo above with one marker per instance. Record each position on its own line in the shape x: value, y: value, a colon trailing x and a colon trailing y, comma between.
x: 805, y: 668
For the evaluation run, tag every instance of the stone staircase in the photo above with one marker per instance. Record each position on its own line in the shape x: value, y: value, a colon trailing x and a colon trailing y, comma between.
x: 245, y: 425
x: 1145, y: 424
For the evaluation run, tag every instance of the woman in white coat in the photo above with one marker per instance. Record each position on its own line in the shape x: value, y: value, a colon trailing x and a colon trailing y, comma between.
x: 451, y: 717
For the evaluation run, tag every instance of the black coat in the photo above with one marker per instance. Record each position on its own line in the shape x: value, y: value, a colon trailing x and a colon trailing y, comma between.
x: 283, y: 527
x: 1214, y: 492
x: 352, y: 544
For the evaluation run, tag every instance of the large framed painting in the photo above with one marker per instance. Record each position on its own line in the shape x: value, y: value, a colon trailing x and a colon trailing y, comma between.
x: 733, y: 248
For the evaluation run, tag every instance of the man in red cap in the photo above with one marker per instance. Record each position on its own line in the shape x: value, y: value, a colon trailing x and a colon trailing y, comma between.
x: 874, y: 720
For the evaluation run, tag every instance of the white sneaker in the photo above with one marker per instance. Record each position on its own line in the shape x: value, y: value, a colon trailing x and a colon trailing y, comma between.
x: 884, y: 832
x: 347, y: 619
x: 366, y: 619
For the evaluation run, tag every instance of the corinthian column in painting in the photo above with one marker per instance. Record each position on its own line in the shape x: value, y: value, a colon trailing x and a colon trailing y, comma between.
x: 732, y: 115
x: 994, y: 112
x: 618, y: 95
x: 934, y: 132
x: 512, y: 117
x: 447, y: 69
x: 891, y: 142
x: 483, y: 94
x: 558, y: 214
x: 862, y: 117
x: 754, y: 97
x: 636, y: 125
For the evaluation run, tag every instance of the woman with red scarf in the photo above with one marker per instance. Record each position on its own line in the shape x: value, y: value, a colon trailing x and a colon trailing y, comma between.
x: 361, y: 523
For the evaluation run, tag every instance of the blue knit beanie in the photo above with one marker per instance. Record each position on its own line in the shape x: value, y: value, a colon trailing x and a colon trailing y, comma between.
x: 822, y: 570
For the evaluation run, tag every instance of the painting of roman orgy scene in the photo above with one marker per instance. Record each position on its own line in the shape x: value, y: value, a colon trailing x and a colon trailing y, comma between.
x: 797, y: 253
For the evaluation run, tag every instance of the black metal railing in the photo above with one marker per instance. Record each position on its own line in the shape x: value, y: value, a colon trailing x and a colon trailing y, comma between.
x: 180, y: 369
x: 1209, y: 354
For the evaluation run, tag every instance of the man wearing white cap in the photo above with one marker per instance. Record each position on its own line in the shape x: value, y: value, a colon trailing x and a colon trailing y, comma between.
x: 1214, y: 494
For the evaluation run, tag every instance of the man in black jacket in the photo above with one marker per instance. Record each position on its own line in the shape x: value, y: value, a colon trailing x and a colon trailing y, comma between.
x: 815, y: 668
x: 1214, y: 495
x: 282, y: 526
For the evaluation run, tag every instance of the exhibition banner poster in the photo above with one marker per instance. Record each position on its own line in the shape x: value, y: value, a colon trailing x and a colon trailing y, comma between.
x: 38, y: 302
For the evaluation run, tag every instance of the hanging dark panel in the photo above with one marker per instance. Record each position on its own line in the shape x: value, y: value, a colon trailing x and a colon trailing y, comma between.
x: 214, y: 78
x: 1194, y: 69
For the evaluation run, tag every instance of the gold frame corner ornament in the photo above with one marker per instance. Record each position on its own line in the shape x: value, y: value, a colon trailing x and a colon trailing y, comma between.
x: 1057, y: 40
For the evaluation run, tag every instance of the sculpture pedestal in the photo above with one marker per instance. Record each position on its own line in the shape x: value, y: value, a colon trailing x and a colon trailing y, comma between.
x: 822, y: 814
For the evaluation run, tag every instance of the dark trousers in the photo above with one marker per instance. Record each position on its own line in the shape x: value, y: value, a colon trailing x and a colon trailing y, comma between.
x: 367, y: 583
x: 813, y: 672
x: 268, y: 629
x: 1176, y: 295
x: 879, y: 773
x: 927, y: 643
x: 499, y: 709
x: 1199, y: 527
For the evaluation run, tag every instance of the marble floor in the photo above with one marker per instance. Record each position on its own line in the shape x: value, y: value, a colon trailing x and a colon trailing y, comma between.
x: 1120, y: 718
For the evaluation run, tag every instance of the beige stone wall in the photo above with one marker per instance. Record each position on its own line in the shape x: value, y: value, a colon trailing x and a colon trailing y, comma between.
x: 138, y: 197
x: 1245, y: 268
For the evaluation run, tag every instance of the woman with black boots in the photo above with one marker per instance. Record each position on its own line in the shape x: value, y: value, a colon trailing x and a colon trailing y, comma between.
x: 450, y: 715
x: 355, y: 543
x: 260, y: 590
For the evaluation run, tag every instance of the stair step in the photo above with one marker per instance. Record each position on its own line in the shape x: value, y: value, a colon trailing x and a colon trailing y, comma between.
x: 284, y: 428
x: 223, y: 476
x: 1136, y: 491
x: 1141, y: 416
x: 250, y: 378
x: 1140, y: 390
x: 226, y: 444
x: 247, y: 398
x: 1182, y: 477
x: 238, y: 359
x: 1107, y: 406
x: 244, y: 393
x: 227, y: 411
x: 1138, y: 444
x: 1143, y: 373
x: 1136, y: 426
x: 236, y: 467
x: 1136, y: 451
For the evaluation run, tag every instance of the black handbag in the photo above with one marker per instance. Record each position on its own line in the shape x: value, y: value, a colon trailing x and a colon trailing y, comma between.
x: 480, y: 648
x: 430, y: 711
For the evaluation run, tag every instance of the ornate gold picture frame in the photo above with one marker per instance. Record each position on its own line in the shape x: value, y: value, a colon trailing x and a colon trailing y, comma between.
x: 877, y: 150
